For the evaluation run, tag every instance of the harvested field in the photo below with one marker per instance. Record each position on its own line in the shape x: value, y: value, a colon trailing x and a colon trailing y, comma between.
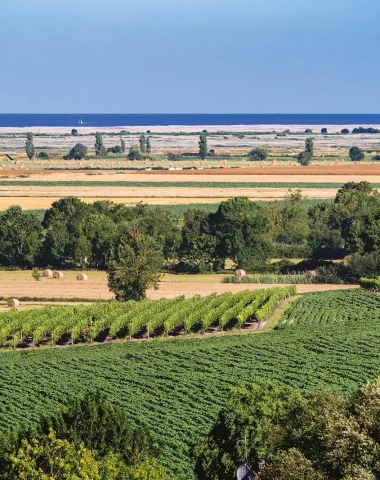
x: 160, y: 192
x: 21, y: 284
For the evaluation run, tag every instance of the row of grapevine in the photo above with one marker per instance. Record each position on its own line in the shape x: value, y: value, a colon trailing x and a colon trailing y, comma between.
x: 122, y: 319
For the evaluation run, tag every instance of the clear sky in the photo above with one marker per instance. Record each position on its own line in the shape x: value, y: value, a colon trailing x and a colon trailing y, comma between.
x: 189, y: 56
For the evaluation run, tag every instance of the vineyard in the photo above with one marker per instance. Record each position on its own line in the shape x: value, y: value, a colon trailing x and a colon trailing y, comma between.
x: 98, y: 322
x: 178, y: 386
x: 315, y: 310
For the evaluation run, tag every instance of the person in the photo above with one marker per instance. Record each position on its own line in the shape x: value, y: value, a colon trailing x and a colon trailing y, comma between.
x: 244, y: 473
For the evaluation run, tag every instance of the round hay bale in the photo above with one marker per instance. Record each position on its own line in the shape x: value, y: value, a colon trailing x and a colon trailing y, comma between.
x: 82, y: 277
x: 311, y: 274
x: 47, y: 273
x: 13, y: 302
x: 240, y: 273
x: 57, y: 274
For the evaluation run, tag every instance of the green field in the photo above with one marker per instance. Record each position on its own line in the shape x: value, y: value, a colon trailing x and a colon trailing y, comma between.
x: 86, y: 323
x: 177, y: 386
x: 335, y: 308
x: 90, y: 183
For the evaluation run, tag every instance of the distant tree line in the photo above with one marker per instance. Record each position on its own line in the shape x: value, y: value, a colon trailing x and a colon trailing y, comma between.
x: 74, y: 234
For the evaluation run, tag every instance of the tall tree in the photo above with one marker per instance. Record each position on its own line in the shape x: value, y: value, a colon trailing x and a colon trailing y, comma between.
x: 137, y: 267
x: 142, y: 143
x: 242, y: 232
x: 29, y: 145
x: 20, y: 238
x: 100, y: 150
x: 122, y: 143
x: 309, y: 146
x: 203, y: 146
x: 148, y: 146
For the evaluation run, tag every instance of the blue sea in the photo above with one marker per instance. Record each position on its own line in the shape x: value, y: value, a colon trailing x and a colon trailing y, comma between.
x: 125, y: 120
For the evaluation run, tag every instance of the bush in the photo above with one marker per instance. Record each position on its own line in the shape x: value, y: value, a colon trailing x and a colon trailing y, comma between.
x: 308, y: 130
x: 304, y: 158
x: 376, y: 157
x: 74, y: 132
x: 134, y: 153
x: 43, y: 155
x: 116, y: 149
x: 328, y: 274
x: 258, y: 153
x: 77, y: 153
x: 324, y: 130
x: 356, y: 154
x: 345, y: 131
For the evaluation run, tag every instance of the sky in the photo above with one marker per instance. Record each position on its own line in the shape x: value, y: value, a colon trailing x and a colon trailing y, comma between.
x: 189, y: 56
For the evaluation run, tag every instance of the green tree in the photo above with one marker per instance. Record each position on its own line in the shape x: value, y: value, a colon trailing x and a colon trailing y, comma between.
x: 134, y: 153
x: 345, y: 131
x: 356, y: 213
x: 203, y: 146
x: 100, y: 150
x: 137, y: 267
x: 142, y: 143
x: 242, y: 229
x: 29, y: 145
x: 304, y: 158
x: 198, y: 250
x: 20, y: 238
x: 258, y: 153
x: 74, y: 132
x: 324, y: 131
x: 122, y: 144
x: 78, y: 152
x: 309, y: 146
x: 36, y: 274
x: 356, y: 154
x: 148, y: 146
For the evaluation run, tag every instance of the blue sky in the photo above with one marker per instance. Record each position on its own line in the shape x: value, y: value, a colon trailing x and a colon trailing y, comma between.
x: 189, y: 56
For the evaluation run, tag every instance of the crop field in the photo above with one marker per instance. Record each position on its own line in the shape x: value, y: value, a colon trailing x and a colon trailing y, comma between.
x: 315, y: 310
x: 99, y: 322
x: 177, y: 387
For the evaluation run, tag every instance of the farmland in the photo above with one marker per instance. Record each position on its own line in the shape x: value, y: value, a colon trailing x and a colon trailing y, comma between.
x: 177, y: 387
x: 134, y: 319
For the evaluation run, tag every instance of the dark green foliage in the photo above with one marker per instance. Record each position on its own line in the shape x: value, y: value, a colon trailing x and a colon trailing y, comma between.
x: 148, y: 146
x: 356, y: 213
x: 43, y: 155
x: 134, y: 153
x: 241, y: 229
x: 309, y: 146
x: 122, y: 144
x: 324, y: 131
x: 136, y: 268
x: 20, y: 238
x: 198, y: 251
x: 202, y: 146
x: 316, y: 437
x: 100, y: 150
x: 258, y: 153
x: 74, y: 132
x: 304, y: 158
x: 142, y: 143
x: 331, y: 273
x: 78, y: 152
x: 365, y: 130
x: 356, y: 154
x: 365, y: 265
x: 345, y: 131
x: 29, y: 145
x: 116, y: 149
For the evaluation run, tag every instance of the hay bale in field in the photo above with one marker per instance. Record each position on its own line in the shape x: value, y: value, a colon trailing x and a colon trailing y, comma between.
x: 82, y: 277
x: 47, y: 273
x: 311, y: 274
x: 13, y: 302
x: 240, y: 273
x: 57, y: 274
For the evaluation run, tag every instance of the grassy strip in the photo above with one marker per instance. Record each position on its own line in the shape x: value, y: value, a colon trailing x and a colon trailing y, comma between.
x: 90, y: 183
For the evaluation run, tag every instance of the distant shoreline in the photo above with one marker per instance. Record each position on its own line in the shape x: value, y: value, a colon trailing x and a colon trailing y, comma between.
x: 84, y: 129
